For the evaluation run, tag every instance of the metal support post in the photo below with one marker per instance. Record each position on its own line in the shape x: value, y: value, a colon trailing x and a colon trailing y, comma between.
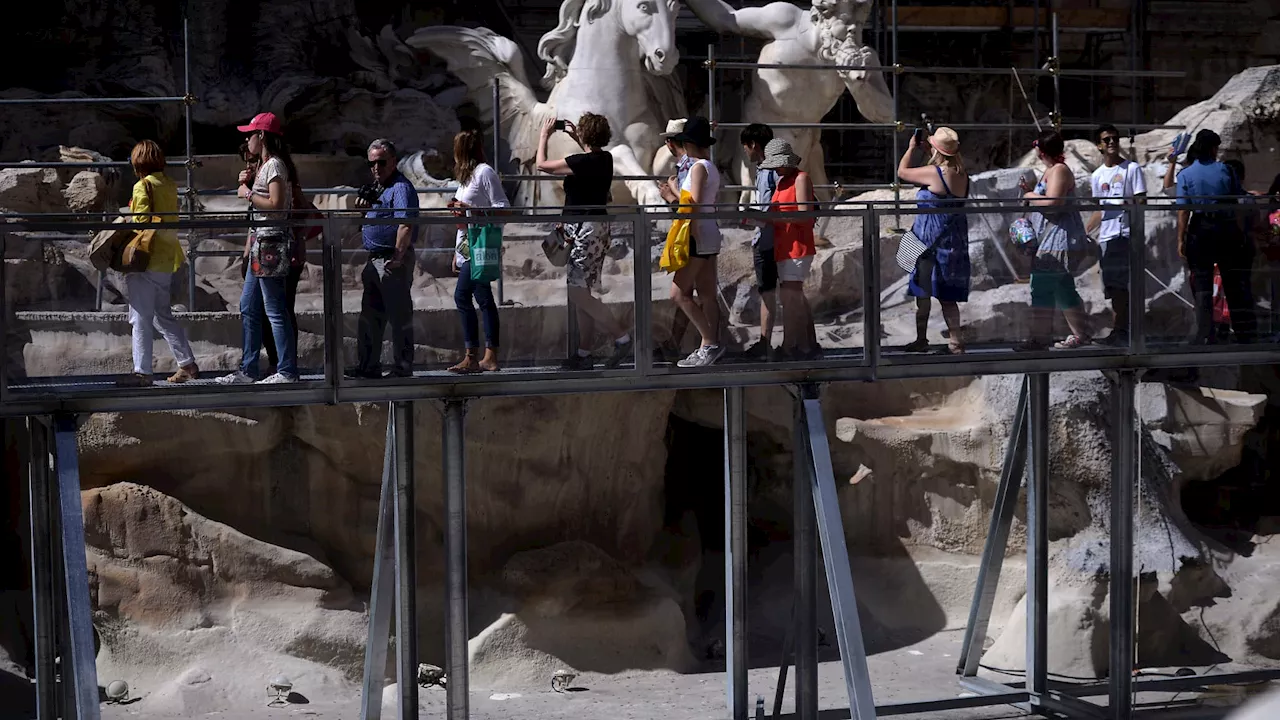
x: 1057, y: 77
x: 331, y: 286
x: 497, y: 148
x: 455, y: 564
x: 44, y: 610
x: 1037, y: 598
x: 711, y: 94
x: 1137, y: 278
x: 1124, y: 463
x: 870, y: 289
x: 805, y: 577
x: 406, y: 562
x: 192, y: 243
x: 897, y: 192
x: 382, y: 589
x: 79, y: 665
x: 735, y: 545
x: 835, y: 555
x: 642, y: 266
x: 993, y: 552
x: 6, y: 313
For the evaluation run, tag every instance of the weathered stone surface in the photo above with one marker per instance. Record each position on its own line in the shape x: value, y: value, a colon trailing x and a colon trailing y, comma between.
x: 31, y: 190
x: 86, y: 192
x: 199, y: 611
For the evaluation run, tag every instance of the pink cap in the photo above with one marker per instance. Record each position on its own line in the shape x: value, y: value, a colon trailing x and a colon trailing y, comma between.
x: 262, y: 121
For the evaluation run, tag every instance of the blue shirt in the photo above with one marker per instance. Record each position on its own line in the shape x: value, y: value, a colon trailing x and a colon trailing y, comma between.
x: 766, y: 183
x: 1202, y: 178
x: 398, y: 200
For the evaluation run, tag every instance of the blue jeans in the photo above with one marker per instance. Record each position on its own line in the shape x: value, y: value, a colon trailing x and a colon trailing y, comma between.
x: 272, y: 293
x: 483, y: 293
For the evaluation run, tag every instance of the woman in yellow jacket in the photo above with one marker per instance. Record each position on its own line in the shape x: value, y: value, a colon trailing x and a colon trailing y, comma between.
x: 148, y: 291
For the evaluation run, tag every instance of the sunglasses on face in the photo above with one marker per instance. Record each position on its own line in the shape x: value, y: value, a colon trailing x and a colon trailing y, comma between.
x: 1110, y: 140
x: 379, y: 163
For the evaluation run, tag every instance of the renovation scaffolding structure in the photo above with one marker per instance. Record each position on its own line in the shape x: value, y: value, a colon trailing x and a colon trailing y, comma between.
x: 47, y: 417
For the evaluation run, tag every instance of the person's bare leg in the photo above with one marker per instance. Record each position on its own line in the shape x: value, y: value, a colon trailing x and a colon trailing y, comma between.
x: 709, y: 290
x: 682, y: 287
x: 1078, y: 321
x: 924, y: 305
x: 679, y: 328
x: 793, y: 315
x: 1041, y: 325
x: 810, y: 343
x: 768, y: 313
x: 596, y: 313
x: 951, y: 314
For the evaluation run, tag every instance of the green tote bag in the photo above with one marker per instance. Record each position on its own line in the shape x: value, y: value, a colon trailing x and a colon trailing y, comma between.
x: 485, y: 242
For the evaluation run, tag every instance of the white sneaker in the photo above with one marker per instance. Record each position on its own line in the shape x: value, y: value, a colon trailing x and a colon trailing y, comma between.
x: 702, y: 357
x: 278, y: 379
x: 235, y: 378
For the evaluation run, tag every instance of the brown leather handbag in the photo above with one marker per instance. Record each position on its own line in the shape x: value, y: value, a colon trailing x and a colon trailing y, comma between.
x: 136, y: 255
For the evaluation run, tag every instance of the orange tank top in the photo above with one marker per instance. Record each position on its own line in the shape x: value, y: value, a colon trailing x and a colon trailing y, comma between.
x: 791, y: 239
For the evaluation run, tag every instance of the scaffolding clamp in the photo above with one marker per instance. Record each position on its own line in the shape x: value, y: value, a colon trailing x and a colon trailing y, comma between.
x: 1054, y: 65
x: 1055, y: 117
x: 899, y: 126
x: 189, y: 99
x: 897, y: 69
x: 709, y: 64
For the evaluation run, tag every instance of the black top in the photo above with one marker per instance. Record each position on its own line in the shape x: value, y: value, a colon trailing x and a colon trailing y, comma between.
x: 590, y: 182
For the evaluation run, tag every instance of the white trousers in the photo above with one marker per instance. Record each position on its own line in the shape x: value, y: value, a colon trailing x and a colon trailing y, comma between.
x: 149, y: 310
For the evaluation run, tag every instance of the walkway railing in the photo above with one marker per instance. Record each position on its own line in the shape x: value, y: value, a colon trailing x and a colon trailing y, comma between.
x: 855, y: 286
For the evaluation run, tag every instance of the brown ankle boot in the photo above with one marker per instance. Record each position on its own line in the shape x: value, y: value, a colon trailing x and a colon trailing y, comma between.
x: 468, y: 364
x: 489, y: 363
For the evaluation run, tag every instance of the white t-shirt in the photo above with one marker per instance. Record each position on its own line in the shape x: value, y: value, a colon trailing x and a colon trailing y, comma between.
x: 483, y: 190
x: 706, y: 233
x: 1112, y: 186
x: 270, y: 170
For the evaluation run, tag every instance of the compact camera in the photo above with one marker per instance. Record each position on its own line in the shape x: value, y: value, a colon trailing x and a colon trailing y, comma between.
x: 369, y: 194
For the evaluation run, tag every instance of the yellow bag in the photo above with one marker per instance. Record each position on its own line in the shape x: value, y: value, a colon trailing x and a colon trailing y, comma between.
x: 675, y: 254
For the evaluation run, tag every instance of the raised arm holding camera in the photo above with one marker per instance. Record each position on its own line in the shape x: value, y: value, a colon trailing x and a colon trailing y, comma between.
x: 388, y: 273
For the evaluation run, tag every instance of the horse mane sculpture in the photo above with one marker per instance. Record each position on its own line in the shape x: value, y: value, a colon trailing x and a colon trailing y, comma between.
x: 609, y: 57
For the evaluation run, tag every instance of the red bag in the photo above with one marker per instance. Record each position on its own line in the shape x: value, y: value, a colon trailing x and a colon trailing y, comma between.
x: 1221, y: 314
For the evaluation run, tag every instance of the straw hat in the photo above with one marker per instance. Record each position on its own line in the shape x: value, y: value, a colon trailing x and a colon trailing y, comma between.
x: 778, y: 154
x: 946, y: 141
x: 674, y: 127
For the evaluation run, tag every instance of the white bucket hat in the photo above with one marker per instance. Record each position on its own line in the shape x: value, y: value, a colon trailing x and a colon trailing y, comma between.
x: 778, y: 154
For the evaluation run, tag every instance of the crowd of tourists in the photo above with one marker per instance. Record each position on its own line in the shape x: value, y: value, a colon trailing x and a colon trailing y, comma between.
x: 1217, y: 240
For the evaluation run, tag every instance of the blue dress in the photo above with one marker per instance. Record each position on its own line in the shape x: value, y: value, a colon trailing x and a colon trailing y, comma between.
x: 947, y: 237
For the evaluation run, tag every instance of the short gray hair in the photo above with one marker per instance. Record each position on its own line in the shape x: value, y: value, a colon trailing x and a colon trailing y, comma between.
x: 384, y: 145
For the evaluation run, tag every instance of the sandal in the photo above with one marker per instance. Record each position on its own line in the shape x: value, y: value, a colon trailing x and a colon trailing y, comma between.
x: 918, y: 346
x: 467, y: 365
x: 955, y: 347
x: 1072, y: 342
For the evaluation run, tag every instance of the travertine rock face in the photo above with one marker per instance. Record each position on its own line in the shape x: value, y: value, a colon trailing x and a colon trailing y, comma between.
x: 196, y: 611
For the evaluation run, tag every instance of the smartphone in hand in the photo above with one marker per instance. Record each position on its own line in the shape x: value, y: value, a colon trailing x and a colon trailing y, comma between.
x: 558, y: 126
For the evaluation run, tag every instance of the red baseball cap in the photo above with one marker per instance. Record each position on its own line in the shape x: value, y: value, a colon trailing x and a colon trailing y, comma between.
x: 262, y: 121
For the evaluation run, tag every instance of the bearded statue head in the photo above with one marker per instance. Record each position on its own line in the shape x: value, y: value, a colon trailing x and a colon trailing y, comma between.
x: 840, y: 24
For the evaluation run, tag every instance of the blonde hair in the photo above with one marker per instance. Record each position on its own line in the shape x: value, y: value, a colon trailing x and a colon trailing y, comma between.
x: 953, y: 162
x: 147, y: 158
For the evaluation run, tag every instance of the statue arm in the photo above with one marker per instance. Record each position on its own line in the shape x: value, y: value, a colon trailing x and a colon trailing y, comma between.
x: 868, y: 88
x: 769, y: 22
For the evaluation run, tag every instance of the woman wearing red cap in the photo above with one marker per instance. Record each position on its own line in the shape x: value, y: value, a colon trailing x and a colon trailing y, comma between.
x: 268, y: 250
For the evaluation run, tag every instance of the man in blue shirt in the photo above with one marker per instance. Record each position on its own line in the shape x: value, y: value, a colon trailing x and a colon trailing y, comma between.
x: 754, y: 139
x: 388, y: 274
x: 1214, y: 237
